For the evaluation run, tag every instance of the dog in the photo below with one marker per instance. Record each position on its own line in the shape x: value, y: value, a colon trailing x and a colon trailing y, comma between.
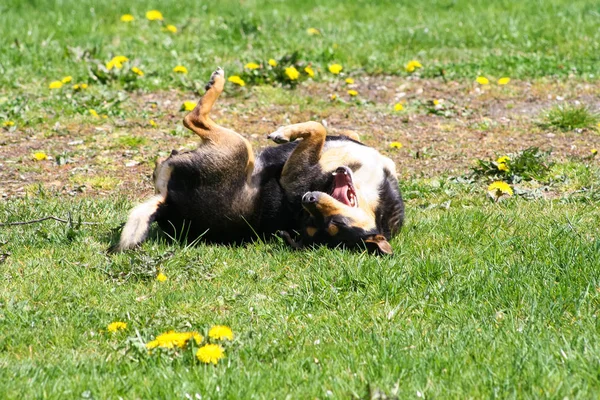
x: 311, y: 189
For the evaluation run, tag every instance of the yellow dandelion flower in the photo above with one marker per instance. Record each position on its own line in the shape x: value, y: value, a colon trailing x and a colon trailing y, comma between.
x: 412, y: 65
x: 172, y: 339
x: 398, y: 107
x: 335, y: 68
x: 498, y: 189
x: 180, y: 69
x: 161, y: 277
x: 309, y: 71
x: 210, y: 353
x: 127, y: 18
x: 80, y: 86
x: 395, y: 145
x: 116, y: 62
x: 292, y: 73
x: 272, y: 62
x: 482, y: 80
x: 154, y: 15
x: 76, y: 86
x: 503, y: 81
x: 188, y: 105
x: 67, y: 79
x: 120, y: 59
x: 55, y: 85
x: 333, y: 97
x: 137, y: 71
x: 237, y: 80
x: 503, y: 159
x: 8, y: 123
x: 252, y: 65
x: 198, y: 338
x: 40, y: 156
x: 115, y: 326
x: 594, y: 152
x: 220, y: 332
x: 352, y: 92
x: 349, y: 81
x: 436, y: 102
x: 93, y: 113
x: 171, y: 28
x: 153, y: 123
x: 503, y: 167
x: 313, y: 31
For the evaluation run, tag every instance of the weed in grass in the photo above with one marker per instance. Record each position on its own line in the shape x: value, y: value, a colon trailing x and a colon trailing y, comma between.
x: 526, y: 165
x: 568, y: 117
x: 288, y: 70
x: 132, y: 141
x: 103, y: 182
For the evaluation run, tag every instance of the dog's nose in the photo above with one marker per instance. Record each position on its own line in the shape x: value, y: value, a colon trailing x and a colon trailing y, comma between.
x: 309, y: 198
x: 343, y: 170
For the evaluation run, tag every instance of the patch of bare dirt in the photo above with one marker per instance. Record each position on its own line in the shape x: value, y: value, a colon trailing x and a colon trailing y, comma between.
x: 468, y: 122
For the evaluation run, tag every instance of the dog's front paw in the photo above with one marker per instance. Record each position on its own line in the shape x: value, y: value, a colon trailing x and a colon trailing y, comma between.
x: 288, y: 239
x: 279, y: 136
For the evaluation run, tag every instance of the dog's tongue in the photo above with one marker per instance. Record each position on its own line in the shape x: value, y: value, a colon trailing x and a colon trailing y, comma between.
x: 340, y: 188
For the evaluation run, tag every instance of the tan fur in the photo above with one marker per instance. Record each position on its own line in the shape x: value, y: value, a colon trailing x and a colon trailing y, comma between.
x: 309, y: 149
x: 350, y: 134
x: 333, y: 230
x: 328, y: 206
x: 199, y: 122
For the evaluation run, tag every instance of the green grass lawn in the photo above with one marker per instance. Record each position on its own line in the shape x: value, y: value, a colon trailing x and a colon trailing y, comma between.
x: 480, y: 300
x: 45, y: 40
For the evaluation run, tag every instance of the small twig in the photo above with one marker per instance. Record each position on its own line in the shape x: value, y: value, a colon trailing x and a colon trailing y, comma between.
x: 42, y: 220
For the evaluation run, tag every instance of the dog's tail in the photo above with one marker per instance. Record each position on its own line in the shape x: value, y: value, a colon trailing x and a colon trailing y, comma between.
x: 138, y: 224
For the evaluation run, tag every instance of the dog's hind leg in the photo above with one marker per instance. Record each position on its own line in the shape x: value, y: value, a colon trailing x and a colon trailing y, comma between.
x: 199, y: 122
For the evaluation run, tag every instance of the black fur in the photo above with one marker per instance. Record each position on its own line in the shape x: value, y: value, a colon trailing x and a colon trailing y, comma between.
x: 204, y: 186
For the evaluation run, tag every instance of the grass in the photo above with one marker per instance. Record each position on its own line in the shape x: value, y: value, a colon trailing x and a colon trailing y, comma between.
x: 568, y: 117
x: 504, y: 38
x: 480, y: 300
x: 505, y: 306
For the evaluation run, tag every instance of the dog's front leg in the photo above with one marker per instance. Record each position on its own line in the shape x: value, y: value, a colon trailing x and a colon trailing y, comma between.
x: 308, y: 151
x: 296, y: 245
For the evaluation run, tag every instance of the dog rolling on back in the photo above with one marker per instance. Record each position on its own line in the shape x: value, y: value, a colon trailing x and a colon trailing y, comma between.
x: 311, y: 189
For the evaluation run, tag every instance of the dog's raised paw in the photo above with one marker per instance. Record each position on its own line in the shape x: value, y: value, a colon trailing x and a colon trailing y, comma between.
x: 279, y: 136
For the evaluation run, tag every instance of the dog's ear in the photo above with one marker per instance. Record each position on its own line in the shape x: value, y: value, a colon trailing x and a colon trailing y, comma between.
x: 378, y: 244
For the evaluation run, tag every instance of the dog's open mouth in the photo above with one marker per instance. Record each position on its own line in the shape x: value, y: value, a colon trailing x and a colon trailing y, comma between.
x: 343, y: 189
